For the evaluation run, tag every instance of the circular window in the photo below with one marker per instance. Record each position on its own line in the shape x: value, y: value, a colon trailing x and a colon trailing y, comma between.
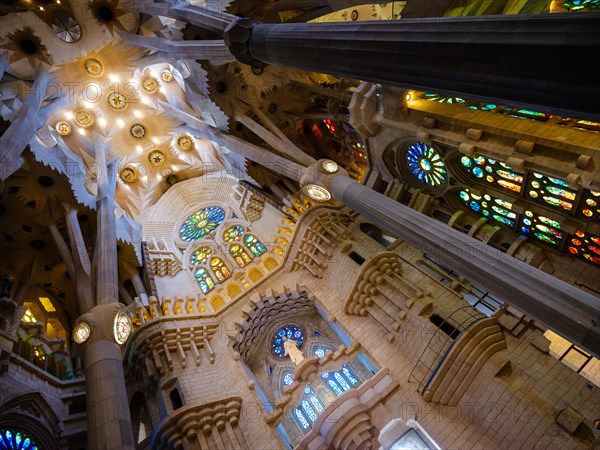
x: 201, y: 223
x: 289, y: 332
x: 425, y: 165
x: 287, y: 379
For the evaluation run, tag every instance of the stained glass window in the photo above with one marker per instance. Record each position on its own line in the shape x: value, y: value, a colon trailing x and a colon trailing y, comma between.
x: 204, y: 280
x: 15, y: 440
x: 330, y: 125
x: 201, y: 223
x: 426, y: 164
x: 314, y: 400
x: 488, y: 206
x: 341, y: 381
x: 310, y: 412
x: 290, y: 332
x: 320, y: 351
x: 585, y: 246
x: 337, y: 382
x: 551, y: 191
x: 349, y: 375
x: 590, y: 205
x: 493, y: 172
x: 443, y: 98
x: 219, y: 269
x: 233, y: 233
x: 577, y: 5
x: 334, y: 387
x: 200, y: 256
x: 239, y: 255
x: 287, y: 378
x: 542, y: 228
x: 301, y: 419
x: 254, y: 245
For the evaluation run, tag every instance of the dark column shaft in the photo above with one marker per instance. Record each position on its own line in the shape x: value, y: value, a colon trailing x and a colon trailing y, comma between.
x: 541, y: 62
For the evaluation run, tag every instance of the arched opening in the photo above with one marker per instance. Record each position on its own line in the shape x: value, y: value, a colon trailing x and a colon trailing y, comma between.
x: 377, y: 234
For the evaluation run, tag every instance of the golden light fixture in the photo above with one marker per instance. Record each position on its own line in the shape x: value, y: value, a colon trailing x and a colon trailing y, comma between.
x: 156, y: 158
x: 330, y: 166
x: 138, y: 130
x: 117, y: 101
x: 63, y: 128
x: 150, y: 85
x: 81, y: 332
x: 83, y: 118
x: 166, y: 76
x: 93, y: 67
x: 129, y: 174
x: 316, y: 192
x: 185, y: 143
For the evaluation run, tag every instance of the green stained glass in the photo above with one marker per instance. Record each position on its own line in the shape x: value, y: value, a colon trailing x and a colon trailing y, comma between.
x: 254, y: 245
x: 201, y: 223
x: 557, y: 202
x: 503, y: 220
x: 550, y: 222
x: 204, y: 280
x: 576, y: 5
x: 545, y: 238
x: 561, y: 192
x: 504, y: 212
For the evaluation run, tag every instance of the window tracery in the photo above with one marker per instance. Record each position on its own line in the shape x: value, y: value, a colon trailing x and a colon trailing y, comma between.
x: 493, y: 172
x: 219, y: 269
x: 425, y: 165
x: 254, y: 245
x: 204, y: 280
x: 16, y: 440
x: 551, y: 192
x: 239, y: 255
x: 202, y: 223
x: 200, y: 256
x: 290, y: 332
x: 233, y: 233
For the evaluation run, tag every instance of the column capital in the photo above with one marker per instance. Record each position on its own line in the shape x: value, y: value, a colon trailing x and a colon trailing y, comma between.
x: 237, y: 39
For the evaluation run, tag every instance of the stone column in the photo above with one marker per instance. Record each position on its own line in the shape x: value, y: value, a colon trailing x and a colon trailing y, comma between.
x: 108, y: 419
x: 561, y: 307
x: 538, y: 62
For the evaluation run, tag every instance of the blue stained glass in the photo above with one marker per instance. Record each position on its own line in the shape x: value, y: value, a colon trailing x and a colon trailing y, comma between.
x: 475, y: 206
x: 301, y: 419
x: 525, y: 229
x: 478, y: 172
x: 309, y: 411
x: 426, y: 164
x: 11, y: 440
x: 348, y: 373
x: 466, y: 161
x: 287, y: 379
x: 325, y: 375
x: 340, y: 379
x: 320, y: 352
x: 316, y: 403
x: 464, y: 196
x: 486, y: 213
x: 504, y: 220
x: 290, y: 332
x: 527, y: 222
x: 559, y: 182
x: 334, y: 387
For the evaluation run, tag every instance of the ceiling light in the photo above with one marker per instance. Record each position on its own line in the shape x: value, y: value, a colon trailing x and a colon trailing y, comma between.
x: 81, y: 131
x: 316, y: 192
x: 329, y: 166
x: 137, y: 113
x: 113, y: 77
x: 69, y: 115
x: 102, y: 122
x: 120, y: 123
